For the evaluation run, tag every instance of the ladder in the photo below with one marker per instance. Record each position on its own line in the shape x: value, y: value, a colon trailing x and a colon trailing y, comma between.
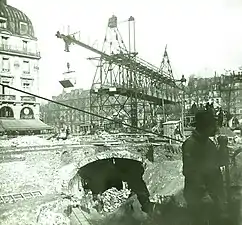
x: 12, y: 198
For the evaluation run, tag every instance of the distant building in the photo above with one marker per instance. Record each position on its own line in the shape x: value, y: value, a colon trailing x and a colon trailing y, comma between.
x: 19, y: 58
x: 223, y: 91
x: 61, y: 117
x: 231, y: 93
x: 203, y: 90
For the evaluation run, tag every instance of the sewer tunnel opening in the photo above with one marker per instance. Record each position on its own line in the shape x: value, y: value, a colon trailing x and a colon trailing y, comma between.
x: 101, y: 175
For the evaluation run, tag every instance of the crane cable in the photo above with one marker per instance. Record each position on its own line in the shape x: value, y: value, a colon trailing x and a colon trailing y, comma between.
x: 90, y: 113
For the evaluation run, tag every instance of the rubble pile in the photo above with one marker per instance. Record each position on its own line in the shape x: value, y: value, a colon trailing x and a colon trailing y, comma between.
x: 27, y: 212
x: 24, y: 141
x: 39, y: 171
x: 33, y: 141
x: 112, y: 199
x: 104, y: 203
x: 165, y: 179
x: 53, y: 213
x: 167, y: 152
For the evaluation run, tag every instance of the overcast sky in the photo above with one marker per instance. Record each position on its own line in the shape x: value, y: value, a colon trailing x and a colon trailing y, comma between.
x: 202, y: 36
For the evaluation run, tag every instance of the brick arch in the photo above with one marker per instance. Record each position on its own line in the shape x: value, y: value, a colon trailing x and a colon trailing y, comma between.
x: 6, y: 111
x: 26, y: 113
x: 71, y: 173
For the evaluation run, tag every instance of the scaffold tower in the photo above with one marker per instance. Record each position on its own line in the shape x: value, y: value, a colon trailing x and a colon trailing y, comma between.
x: 125, y: 87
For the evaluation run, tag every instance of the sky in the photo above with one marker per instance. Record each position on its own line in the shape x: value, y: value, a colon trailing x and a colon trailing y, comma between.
x: 201, y: 36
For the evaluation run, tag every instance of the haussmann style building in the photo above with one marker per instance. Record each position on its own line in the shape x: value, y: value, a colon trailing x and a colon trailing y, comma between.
x: 19, y: 60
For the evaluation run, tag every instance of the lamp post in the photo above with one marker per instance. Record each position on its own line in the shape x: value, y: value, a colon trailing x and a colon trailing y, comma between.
x: 183, y: 81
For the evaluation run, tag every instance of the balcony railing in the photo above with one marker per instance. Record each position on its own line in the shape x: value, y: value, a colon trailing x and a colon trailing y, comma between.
x: 28, y: 99
x: 7, y: 97
x: 27, y: 76
x: 18, y: 50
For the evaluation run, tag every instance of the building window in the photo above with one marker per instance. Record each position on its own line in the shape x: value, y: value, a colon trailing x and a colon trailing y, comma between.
x: 5, y: 65
x: 6, y: 91
x: 3, y: 23
x: 26, y: 86
x: 6, y: 111
x: 4, y: 41
x: 26, y: 67
x: 25, y: 45
x: 23, y: 28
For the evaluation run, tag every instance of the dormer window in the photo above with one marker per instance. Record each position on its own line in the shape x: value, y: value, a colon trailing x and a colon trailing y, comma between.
x: 3, y: 23
x: 23, y: 28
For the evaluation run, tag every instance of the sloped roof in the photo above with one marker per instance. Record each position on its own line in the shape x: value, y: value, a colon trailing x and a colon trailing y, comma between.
x: 14, y: 17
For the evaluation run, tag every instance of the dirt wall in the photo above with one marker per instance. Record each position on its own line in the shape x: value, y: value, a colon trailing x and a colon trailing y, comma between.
x: 41, y: 170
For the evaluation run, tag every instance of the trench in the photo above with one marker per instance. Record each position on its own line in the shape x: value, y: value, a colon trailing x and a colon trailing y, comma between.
x: 102, y: 175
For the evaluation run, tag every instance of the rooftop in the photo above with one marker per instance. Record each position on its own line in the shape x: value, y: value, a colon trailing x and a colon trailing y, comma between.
x: 14, y: 21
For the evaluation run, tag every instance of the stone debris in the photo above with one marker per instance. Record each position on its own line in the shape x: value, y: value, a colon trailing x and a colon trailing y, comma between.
x: 42, y: 171
x: 51, y: 218
x: 104, y: 203
x: 24, y: 141
x: 112, y: 199
x: 53, y: 213
x: 39, y: 171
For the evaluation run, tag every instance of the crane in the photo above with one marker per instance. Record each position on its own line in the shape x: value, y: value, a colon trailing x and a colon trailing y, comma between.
x: 125, y: 86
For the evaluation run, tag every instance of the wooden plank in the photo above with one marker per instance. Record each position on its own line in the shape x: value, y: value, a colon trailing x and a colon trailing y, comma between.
x: 79, y: 214
x: 17, y: 197
x: 27, y: 195
x: 7, y: 198
x: 22, y: 195
x: 37, y: 193
x: 14, y: 200
x: 11, y: 198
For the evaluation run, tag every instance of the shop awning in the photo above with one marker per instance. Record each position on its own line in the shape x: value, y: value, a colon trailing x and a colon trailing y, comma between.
x: 23, y: 124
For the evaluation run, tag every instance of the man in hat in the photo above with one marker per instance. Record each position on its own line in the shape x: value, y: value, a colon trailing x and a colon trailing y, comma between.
x: 201, y: 167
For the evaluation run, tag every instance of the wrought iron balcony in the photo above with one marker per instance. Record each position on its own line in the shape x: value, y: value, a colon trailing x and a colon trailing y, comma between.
x: 19, y: 50
x: 28, y: 99
x: 7, y: 97
x: 28, y: 76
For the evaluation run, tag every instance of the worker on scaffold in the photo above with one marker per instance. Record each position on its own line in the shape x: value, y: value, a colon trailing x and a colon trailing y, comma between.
x: 202, y: 161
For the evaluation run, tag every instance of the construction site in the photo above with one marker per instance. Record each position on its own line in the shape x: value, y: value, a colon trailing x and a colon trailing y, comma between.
x: 108, y: 175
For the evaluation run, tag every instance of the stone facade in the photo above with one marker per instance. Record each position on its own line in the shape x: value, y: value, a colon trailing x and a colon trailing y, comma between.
x: 19, y: 59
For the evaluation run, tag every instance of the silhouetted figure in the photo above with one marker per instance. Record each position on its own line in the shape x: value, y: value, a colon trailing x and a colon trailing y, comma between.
x: 201, y: 168
x: 194, y: 108
x: 201, y: 106
x: 68, y: 132
x: 220, y: 117
x: 207, y: 106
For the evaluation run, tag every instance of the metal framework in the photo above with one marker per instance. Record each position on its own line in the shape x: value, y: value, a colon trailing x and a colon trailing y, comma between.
x: 125, y: 87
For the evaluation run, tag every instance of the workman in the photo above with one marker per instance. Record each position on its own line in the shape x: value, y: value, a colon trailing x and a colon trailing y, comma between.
x: 201, y: 167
